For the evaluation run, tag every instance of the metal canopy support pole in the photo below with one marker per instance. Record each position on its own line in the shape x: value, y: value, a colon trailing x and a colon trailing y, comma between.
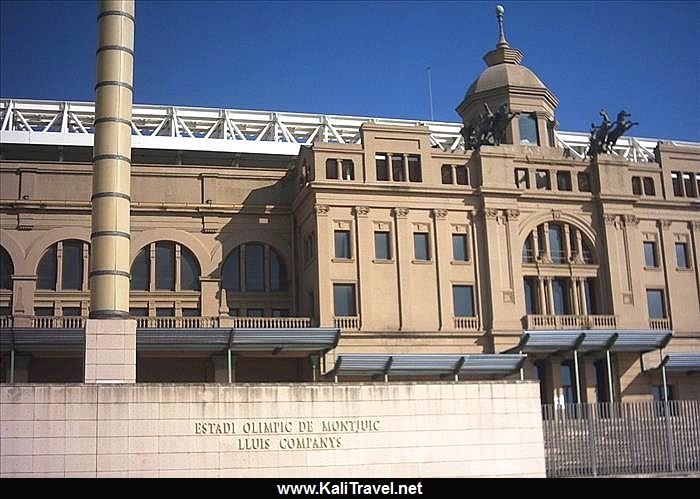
x: 667, y: 416
x: 610, y: 382
x: 522, y: 371
x: 578, y: 383
x: 12, y: 364
x: 230, y: 366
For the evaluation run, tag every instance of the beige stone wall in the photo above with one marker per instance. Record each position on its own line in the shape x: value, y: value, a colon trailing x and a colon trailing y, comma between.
x: 150, y: 430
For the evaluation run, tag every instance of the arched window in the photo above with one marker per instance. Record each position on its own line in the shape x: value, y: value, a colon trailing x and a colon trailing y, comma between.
x: 70, y: 258
x: 253, y: 267
x: 165, y: 258
x: 6, y: 269
x: 548, y: 291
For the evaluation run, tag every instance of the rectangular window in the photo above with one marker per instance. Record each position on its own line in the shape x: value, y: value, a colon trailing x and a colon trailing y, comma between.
x: 280, y: 312
x: 234, y: 312
x: 165, y: 266
x: 567, y: 382
x: 530, y: 285
x: 522, y: 178
x: 463, y: 298
x: 397, y: 174
x: 591, y: 303
x: 420, y: 246
x: 446, y: 174
x: 254, y: 267
x: 165, y: 312
x: 312, y: 305
x: 542, y: 180
x: 550, y: 134
x: 414, y: 169
x: 677, y: 184
x: 254, y: 312
x: 43, y: 311
x: 697, y: 182
x: 689, y: 185
x: 344, y: 300
x: 462, y: 175
x: 71, y: 311
x: 331, y: 169
x: 381, y: 246
x: 656, y: 304
x: 560, y: 292
x: 348, y: 169
x: 602, y: 393
x: 460, y: 252
x: 5, y: 311
x: 138, y: 312
x: 682, y: 256
x: 382, y: 167
x: 564, y: 181
x: 584, y: 182
x: 650, y: 259
x: 556, y: 243
x: 637, y: 186
x: 342, y: 244
x: 72, y: 265
x: 649, y: 189
x: 190, y: 312
x: 528, y: 130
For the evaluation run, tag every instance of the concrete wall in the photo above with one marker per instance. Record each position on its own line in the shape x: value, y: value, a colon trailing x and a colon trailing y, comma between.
x: 149, y: 430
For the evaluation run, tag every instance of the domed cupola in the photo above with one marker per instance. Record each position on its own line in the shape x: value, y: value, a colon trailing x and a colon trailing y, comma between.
x: 506, y: 81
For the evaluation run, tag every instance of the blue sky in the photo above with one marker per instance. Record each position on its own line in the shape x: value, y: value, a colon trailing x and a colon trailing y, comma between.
x: 370, y: 58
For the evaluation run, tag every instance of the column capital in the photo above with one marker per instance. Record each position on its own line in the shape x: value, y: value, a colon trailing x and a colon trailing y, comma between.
x: 631, y: 220
x: 664, y: 224
x: 695, y: 225
x: 321, y: 209
x: 512, y: 215
x: 400, y: 212
x: 439, y: 213
x: 361, y: 211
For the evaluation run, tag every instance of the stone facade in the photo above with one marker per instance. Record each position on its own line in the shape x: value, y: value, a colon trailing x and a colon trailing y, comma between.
x: 297, y: 430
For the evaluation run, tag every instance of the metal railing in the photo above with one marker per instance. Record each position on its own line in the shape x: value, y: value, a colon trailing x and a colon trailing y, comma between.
x: 6, y: 321
x: 347, y: 322
x: 268, y: 322
x: 621, y: 438
x: 467, y: 323
x: 174, y: 322
x: 659, y: 324
x: 539, y: 321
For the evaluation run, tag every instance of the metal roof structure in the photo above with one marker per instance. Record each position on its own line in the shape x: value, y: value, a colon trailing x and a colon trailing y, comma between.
x: 681, y: 363
x: 385, y: 365
x: 614, y: 340
x: 203, y: 339
x: 67, y: 123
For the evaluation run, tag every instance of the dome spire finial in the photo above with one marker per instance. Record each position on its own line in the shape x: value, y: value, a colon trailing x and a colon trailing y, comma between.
x: 501, y: 35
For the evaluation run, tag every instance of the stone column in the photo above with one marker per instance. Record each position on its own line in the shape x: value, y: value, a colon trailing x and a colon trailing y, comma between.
x: 110, y: 338
x: 364, y: 254
x: 404, y: 255
x: 575, y: 295
x: 550, y: 292
x: 542, y: 295
x: 443, y: 236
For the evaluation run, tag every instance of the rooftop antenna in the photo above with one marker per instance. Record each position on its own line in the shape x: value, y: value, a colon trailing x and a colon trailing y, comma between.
x: 430, y: 93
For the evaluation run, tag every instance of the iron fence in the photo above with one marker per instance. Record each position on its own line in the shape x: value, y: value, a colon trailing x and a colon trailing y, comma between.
x: 621, y: 438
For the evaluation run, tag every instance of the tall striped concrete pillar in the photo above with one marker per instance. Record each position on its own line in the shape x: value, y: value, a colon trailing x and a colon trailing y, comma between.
x: 110, y: 337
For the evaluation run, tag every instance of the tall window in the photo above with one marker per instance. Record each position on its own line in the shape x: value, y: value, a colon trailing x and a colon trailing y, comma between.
x: 542, y: 180
x: 397, y: 173
x: 589, y: 290
x: 344, y: 300
x: 530, y: 285
x: 460, y: 252
x: 331, y: 169
x: 689, y: 185
x: 414, y: 169
x: 421, y: 246
x: 650, y: 259
x: 602, y: 392
x: 556, y: 244
x: 677, y: 182
x: 560, y: 296
x: 342, y: 244
x: 163, y: 257
x: 522, y: 178
x: 567, y: 382
x: 528, y: 130
x: 70, y: 255
x: 463, y: 301
x: 462, y: 175
x: 382, y: 249
x: 446, y: 174
x: 6, y: 269
x: 649, y: 189
x: 348, y: 169
x: 382, y: 167
x: 637, y: 186
x: 656, y: 304
x: 584, y: 182
x: 256, y: 271
x: 682, y: 256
